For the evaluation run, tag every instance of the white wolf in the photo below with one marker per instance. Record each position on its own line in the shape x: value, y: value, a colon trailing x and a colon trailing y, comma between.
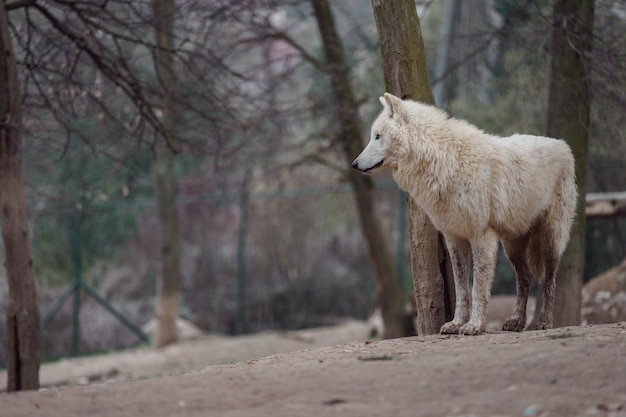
x: 478, y: 189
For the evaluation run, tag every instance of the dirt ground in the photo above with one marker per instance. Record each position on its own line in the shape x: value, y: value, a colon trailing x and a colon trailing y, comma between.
x: 574, y: 371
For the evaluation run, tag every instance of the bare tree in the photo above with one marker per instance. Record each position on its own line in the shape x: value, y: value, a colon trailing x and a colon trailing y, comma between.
x: 569, y: 118
x: 23, y: 338
x: 406, y: 75
x: 164, y: 184
x: 350, y: 137
x: 65, y: 51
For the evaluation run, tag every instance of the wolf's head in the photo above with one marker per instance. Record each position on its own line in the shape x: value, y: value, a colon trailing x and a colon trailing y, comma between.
x: 379, y: 152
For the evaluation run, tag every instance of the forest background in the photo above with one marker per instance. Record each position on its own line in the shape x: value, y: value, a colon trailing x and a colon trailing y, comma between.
x: 270, y: 237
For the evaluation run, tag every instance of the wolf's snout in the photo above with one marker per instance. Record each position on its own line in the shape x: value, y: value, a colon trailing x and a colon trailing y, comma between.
x: 365, y: 169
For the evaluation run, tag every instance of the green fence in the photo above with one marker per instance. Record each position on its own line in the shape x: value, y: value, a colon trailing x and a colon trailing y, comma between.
x: 255, y: 260
x: 279, y: 259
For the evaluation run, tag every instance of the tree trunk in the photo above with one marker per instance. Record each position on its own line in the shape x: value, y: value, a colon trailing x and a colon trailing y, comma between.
x: 406, y: 76
x: 23, y: 338
x: 164, y: 185
x: 568, y: 118
x: 389, y: 293
x: 440, y: 90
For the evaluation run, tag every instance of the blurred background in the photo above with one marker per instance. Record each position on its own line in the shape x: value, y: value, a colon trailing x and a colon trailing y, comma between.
x: 270, y: 235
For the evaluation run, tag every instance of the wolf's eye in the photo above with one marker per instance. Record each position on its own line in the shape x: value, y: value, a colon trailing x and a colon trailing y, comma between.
x: 377, y: 136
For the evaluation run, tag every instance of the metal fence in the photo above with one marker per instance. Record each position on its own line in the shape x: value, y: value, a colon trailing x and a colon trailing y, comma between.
x: 283, y: 259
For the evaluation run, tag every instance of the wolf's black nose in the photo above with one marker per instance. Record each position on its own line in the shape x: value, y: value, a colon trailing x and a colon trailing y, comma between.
x: 355, y: 165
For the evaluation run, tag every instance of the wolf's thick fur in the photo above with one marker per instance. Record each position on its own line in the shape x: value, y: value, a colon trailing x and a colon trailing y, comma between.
x: 478, y: 189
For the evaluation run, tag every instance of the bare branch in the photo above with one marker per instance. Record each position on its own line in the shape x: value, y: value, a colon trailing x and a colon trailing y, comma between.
x: 18, y: 4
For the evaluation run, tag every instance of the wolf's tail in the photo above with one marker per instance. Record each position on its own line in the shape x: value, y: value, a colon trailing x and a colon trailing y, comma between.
x: 566, y: 207
x: 553, y: 229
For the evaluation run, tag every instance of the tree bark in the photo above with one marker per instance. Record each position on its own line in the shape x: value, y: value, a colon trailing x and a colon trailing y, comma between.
x: 440, y: 91
x: 389, y: 293
x: 165, y: 190
x: 23, y: 338
x: 406, y: 76
x: 568, y: 118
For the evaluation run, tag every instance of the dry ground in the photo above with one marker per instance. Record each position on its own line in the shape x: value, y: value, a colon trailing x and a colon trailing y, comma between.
x: 575, y: 371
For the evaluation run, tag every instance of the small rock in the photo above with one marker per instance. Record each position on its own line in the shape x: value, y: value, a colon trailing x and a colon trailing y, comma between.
x: 83, y: 380
x: 610, y: 407
x: 531, y: 410
x: 334, y: 401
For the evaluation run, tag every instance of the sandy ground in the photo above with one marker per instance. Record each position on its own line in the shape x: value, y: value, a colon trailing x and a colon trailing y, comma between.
x: 189, y: 355
x: 575, y: 371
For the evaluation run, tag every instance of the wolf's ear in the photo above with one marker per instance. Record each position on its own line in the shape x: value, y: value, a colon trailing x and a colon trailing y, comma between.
x: 386, y: 109
x: 392, y: 104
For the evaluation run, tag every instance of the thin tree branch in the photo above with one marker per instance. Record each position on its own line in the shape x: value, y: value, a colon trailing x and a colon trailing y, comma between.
x: 18, y: 4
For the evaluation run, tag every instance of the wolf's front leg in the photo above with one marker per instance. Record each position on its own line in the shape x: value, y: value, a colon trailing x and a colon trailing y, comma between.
x: 484, y: 253
x: 460, y: 256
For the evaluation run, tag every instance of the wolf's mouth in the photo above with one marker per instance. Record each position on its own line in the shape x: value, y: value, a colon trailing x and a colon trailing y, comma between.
x: 375, y: 166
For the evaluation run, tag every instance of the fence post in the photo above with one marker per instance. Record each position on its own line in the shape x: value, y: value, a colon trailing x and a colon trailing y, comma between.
x: 77, y: 258
x: 241, y: 252
x: 77, y: 284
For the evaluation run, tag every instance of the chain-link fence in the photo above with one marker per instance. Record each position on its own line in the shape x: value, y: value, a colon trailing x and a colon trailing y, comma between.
x: 284, y: 259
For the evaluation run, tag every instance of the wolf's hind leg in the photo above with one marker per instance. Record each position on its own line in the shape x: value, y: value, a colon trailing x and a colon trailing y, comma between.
x: 515, y: 250
x: 544, y: 256
x: 459, y: 250
x: 546, y: 315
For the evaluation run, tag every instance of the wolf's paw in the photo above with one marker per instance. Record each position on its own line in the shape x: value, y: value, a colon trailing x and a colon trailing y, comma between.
x: 450, y: 328
x: 514, y: 324
x: 542, y: 325
x: 470, y: 329
x: 544, y: 322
